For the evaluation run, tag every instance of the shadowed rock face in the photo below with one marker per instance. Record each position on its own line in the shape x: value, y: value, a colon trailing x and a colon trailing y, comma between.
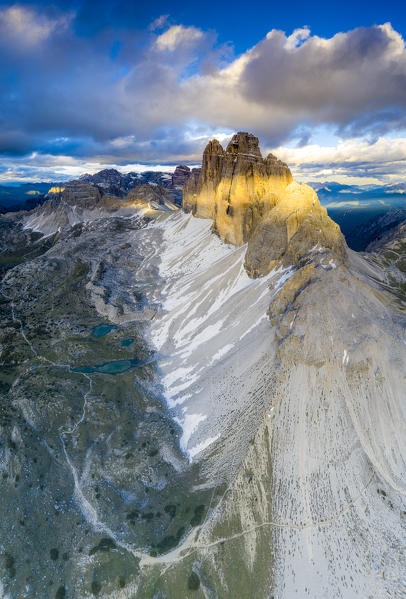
x: 180, y: 176
x: 255, y: 200
x: 76, y: 194
x: 81, y: 193
x: 112, y: 182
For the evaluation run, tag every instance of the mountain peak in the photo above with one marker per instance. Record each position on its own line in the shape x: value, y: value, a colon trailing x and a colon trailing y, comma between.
x: 244, y: 143
x: 255, y: 200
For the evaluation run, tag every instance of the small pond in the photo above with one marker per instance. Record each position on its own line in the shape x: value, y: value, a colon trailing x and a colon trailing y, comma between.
x: 102, y: 329
x: 114, y: 367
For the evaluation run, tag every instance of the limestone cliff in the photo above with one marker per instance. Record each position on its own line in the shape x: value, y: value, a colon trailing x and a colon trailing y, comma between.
x: 256, y: 200
x: 154, y: 195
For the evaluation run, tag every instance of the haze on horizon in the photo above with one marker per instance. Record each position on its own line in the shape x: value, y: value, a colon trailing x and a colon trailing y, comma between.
x: 86, y: 86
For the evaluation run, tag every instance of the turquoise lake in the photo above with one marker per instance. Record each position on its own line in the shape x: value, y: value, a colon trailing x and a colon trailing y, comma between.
x: 114, y: 367
x: 103, y: 329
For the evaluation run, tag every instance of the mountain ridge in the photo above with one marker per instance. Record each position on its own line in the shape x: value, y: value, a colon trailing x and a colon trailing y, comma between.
x: 112, y: 182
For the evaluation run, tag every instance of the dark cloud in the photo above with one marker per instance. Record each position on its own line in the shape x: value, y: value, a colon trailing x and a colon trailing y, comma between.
x: 351, y: 80
x: 97, y: 81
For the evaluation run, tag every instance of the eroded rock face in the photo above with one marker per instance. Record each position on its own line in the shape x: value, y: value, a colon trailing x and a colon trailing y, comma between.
x: 150, y: 193
x: 81, y: 201
x: 109, y: 180
x: 255, y: 200
x: 291, y: 230
x: 112, y: 182
x: 181, y: 175
x: 81, y: 193
x: 236, y: 187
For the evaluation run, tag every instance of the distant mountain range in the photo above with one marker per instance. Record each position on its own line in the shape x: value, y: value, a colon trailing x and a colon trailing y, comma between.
x: 334, y: 187
x: 112, y: 182
x: 364, y: 212
x: 28, y: 196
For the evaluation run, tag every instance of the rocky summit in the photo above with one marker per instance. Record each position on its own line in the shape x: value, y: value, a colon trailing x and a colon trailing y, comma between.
x: 201, y: 403
x: 254, y: 199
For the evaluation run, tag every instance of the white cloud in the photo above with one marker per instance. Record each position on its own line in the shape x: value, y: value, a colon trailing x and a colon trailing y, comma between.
x: 349, y: 151
x: 28, y: 27
x: 295, y: 39
x: 176, y: 36
x: 352, y: 161
x: 44, y: 167
x: 353, y: 81
x: 158, y: 23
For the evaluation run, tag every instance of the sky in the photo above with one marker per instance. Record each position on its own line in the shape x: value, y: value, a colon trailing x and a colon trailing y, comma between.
x: 86, y: 85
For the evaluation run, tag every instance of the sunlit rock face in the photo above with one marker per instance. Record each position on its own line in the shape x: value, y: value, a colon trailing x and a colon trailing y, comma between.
x: 153, y: 195
x: 236, y: 187
x: 56, y: 189
x: 256, y: 200
x: 288, y: 232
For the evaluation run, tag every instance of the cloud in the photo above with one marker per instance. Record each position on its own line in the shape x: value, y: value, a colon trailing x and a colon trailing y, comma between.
x: 159, y: 22
x: 45, y: 167
x: 338, y: 80
x: 351, y: 151
x: 295, y: 39
x: 352, y: 161
x: 176, y: 36
x: 379, y: 161
x: 353, y: 81
x: 26, y: 27
x: 168, y: 89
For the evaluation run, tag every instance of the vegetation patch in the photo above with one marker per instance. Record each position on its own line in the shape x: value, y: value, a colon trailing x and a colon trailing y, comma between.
x: 170, y: 541
x: 96, y: 587
x: 198, y: 515
x: 10, y: 565
x: 54, y: 554
x: 170, y: 509
x: 106, y: 544
x: 193, y: 582
x: 60, y: 593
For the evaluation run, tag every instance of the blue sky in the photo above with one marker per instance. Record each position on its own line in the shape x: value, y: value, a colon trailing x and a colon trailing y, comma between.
x: 84, y: 85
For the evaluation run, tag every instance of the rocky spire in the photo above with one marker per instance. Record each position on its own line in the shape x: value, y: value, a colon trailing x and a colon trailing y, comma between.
x: 234, y: 186
x: 245, y: 144
x: 255, y: 200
